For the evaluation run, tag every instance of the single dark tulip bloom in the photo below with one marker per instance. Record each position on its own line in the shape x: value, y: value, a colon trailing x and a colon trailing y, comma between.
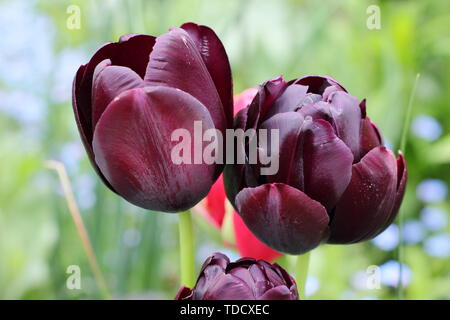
x: 336, y: 182
x: 134, y: 93
x: 245, y: 279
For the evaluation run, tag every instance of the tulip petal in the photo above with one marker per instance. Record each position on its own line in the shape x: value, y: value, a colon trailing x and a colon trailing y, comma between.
x: 216, y: 61
x: 184, y: 293
x: 81, y: 127
x: 211, y: 270
x: 368, y: 201
x: 110, y: 81
x: 137, y: 46
x: 346, y: 115
x: 313, y: 158
x: 402, y: 177
x: 342, y: 111
x: 370, y: 137
x: 323, y: 85
x: 291, y: 99
x: 289, y: 126
x: 283, y: 217
x: 132, y: 146
x: 327, y: 163
x: 277, y: 293
x: 176, y: 62
x: 228, y: 287
x: 268, y: 92
x: 248, y: 244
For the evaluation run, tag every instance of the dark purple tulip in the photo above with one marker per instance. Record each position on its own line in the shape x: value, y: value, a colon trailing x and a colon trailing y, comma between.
x: 245, y: 279
x: 130, y: 97
x: 336, y: 182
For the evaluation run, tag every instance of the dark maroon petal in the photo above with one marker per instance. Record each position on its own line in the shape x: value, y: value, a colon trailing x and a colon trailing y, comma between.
x: 288, y: 279
x: 244, y: 279
x: 402, y: 177
x: 320, y: 84
x: 290, y: 126
x: 268, y: 92
x: 184, y: 294
x: 317, y: 110
x: 278, y: 293
x: 312, y: 158
x: 233, y: 176
x: 110, y: 81
x: 362, y: 106
x: 175, y: 62
x: 136, y: 46
x: 216, y: 60
x: 132, y: 51
x: 228, y: 287
x: 218, y: 259
x: 208, y: 275
x: 132, y: 147
x: 370, y: 137
x: 292, y: 98
x: 283, y: 217
x: 366, y: 205
x: 232, y: 180
x: 81, y: 129
x: 128, y: 36
x: 327, y: 163
x: 270, y: 273
x: 346, y: 115
x: 254, y: 278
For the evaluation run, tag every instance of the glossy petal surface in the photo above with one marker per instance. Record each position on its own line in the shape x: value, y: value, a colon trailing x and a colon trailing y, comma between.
x: 175, y: 62
x: 109, y: 82
x: 296, y: 222
x: 366, y: 205
x: 244, y: 279
x: 136, y: 46
x: 216, y: 61
x: 128, y: 149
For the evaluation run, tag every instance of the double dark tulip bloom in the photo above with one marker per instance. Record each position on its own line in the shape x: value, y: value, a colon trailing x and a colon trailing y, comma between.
x: 336, y: 182
x: 245, y: 279
x: 131, y: 96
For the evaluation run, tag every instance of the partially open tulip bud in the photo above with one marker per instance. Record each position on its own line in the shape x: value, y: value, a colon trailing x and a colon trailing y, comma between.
x: 336, y: 182
x: 133, y: 94
x: 245, y: 279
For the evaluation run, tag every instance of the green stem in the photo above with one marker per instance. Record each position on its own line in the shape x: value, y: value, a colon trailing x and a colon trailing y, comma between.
x: 403, y: 140
x: 302, y: 273
x: 187, y: 255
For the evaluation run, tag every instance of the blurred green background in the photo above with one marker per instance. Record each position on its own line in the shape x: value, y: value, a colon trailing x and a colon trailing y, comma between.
x: 138, y: 250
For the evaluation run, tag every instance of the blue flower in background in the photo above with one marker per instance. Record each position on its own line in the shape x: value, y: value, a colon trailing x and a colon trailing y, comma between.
x: 28, y: 109
x: 426, y: 127
x: 388, y: 239
x: 413, y: 231
x: 27, y: 51
x: 438, y: 245
x: 432, y: 190
x: 434, y: 218
x: 390, y: 274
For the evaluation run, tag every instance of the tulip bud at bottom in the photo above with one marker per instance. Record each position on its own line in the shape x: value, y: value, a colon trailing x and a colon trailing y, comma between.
x: 244, y: 279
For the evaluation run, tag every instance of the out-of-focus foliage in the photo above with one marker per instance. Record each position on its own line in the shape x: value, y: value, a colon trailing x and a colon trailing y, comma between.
x: 138, y: 250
